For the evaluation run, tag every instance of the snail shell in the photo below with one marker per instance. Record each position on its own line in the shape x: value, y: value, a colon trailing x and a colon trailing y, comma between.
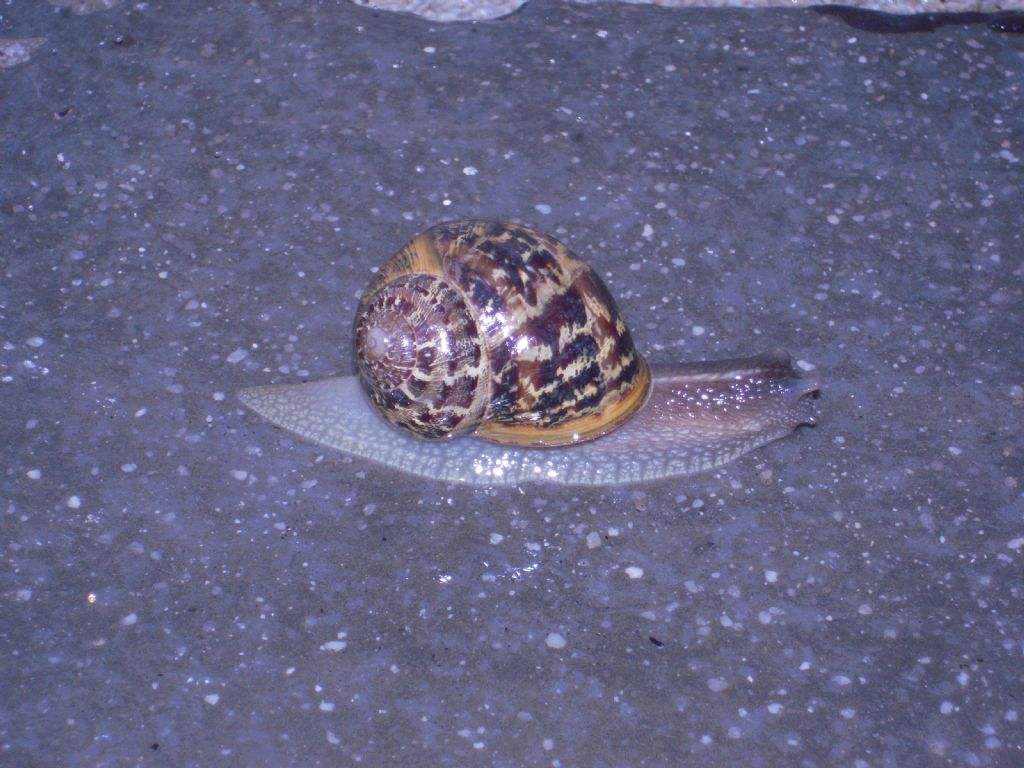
x: 497, y: 330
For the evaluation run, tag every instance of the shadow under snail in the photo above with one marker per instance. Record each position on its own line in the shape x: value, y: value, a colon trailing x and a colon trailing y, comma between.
x: 502, y: 358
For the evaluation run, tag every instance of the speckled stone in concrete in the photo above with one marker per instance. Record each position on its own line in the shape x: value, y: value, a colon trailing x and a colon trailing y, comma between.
x: 191, y: 201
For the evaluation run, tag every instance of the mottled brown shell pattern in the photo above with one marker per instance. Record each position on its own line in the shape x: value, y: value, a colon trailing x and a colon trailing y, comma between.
x: 496, y: 329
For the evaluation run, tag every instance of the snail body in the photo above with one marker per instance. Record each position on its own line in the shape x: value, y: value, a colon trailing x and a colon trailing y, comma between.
x: 496, y: 356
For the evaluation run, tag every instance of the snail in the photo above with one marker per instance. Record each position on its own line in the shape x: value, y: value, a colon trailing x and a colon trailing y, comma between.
x: 489, y: 353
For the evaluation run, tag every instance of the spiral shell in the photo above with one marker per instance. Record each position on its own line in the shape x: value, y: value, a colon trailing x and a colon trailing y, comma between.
x: 499, y: 330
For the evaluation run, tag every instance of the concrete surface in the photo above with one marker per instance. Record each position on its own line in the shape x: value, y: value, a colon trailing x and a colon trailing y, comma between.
x: 192, y: 196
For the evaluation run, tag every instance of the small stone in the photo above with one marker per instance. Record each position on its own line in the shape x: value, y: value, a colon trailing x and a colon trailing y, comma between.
x: 555, y: 640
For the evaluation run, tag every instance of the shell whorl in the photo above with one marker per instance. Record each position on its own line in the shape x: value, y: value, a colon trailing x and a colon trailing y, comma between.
x: 496, y: 328
x: 419, y: 350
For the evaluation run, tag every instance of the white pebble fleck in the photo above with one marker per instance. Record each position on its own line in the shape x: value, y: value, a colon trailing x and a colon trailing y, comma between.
x: 771, y: 576
x: 648, y: 232
x: 954, y: 451
x: 469, y: 170
x: 593, y: 540
x: 775, y: 708
x: 237, y: 356
x: 832, y: 219
x: 334, y: 646
x: 634, y: 572
x: 239, y: 474
x: 326, y: 706
x: 865, y: 610
x: 211, y: 698
x: 946, y: 708
x: 840, y: 680
x: 74, y: 502
x: 555, y: 640
x: 717, y: 684
x: 35, y: 341
x: 495, y: 538
x: 128, y: 467
x: 430, y: 49
x: 542, y: 208
x: 1016, y: 544
x: 34, y: 474
x: 698, y: 330
x: 130, y: 619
